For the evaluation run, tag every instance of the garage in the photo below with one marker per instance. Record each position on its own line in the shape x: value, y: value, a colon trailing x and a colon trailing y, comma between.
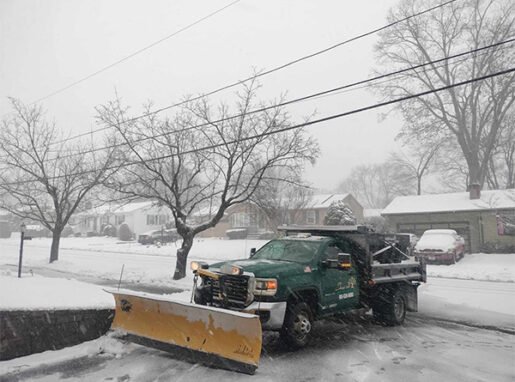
x: 462, y: 228
x: 483, y: 218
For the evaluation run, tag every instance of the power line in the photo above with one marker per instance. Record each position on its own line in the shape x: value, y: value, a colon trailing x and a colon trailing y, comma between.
x: 135, y: 53
x: 275, y: 69
x: 336, y: 90
x: 289, y: 128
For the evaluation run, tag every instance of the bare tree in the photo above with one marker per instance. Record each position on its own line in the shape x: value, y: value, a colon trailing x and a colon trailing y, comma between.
x: 282, y: 195
x: 470, y: 115
x: 376, y: 185
x: 45, y: 182
x: 415, y: 165
x: 501, y: 168
x: 202, y: 159
x: 452, y: 169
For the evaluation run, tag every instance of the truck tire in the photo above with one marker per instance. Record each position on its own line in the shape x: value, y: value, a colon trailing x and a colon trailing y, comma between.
x: 297, y: 326
x: 392, y: 312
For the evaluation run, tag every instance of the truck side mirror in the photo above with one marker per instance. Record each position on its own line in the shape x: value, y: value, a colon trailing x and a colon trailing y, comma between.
x: 252, y: 252
x: 344, y: 261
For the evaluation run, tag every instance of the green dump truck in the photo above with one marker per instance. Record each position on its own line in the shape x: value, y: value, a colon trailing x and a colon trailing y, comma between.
x: 315, y: 272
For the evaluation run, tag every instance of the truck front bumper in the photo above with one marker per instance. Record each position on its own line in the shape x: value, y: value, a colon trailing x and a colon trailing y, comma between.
x: 271, y: 313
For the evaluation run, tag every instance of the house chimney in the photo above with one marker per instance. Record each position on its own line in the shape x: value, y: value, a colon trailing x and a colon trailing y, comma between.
x: 474, y: 191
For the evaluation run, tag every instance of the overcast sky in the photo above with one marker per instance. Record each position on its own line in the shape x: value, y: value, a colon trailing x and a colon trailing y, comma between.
x: 48, y: 44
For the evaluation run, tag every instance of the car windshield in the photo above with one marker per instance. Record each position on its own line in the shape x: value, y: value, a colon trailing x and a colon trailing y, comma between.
x: 299, y: 251
x: 435, y: 240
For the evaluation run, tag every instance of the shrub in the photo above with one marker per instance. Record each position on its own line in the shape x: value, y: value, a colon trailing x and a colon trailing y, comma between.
x: 67, y: 231
x: 109, y: 230
x: 124, y: 232
x: 339, y: 214
x: 497, y: 248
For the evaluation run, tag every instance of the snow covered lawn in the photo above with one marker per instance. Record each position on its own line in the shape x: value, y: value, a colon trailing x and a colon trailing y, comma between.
x: 104, y: 257
x: 478, y: 266
x: 42, y: 293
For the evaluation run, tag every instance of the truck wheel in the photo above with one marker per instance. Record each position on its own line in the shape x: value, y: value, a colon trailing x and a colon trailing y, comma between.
x: 392, y: 312
x: 298, y: 325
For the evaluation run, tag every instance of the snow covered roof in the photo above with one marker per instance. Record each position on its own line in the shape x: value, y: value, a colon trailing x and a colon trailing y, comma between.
x: 324, y: 200
x: 130, y: 207
x: 117, y: 208
x: 453, y: 202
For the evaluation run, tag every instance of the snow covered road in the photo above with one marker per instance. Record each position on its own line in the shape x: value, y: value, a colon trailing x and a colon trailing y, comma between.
x: 421, y: 350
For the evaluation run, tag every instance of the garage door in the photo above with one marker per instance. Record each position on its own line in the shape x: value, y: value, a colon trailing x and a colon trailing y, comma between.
x: 462, y: 228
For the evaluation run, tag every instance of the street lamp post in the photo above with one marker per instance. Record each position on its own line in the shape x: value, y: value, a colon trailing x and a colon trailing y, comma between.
x: 22, y: 236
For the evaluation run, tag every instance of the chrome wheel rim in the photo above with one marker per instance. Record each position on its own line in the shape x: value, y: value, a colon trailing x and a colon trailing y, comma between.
x: 302, y: 326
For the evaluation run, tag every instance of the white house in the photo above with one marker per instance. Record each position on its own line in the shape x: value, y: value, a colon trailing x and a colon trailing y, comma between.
x: 139, y: 216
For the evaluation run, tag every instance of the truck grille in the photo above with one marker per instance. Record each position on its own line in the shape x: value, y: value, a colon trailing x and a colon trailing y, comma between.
x: 228, y: 291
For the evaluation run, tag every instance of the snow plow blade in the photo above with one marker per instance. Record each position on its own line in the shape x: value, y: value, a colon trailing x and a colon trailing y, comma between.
x: 210, y: 336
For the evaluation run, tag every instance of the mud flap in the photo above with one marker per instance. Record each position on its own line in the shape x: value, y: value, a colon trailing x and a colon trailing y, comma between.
x: 211, y: 336
x: 410, y: 292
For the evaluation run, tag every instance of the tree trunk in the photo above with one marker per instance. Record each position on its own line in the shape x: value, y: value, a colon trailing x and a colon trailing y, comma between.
x: 182, y: 256
x: 419, y: 185
x: 476, y: 175
x: 54, y: 249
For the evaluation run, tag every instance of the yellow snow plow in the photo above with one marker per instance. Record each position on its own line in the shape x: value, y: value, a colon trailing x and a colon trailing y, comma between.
x: 208, y: 335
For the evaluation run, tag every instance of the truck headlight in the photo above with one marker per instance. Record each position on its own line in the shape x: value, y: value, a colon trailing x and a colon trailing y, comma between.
x: 265, y: 287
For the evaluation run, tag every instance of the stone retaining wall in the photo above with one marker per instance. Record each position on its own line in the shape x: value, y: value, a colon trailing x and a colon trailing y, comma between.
x: 28, y: 332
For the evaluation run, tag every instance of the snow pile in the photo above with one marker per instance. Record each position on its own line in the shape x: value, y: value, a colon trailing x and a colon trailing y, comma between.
x: 108, y: 346
x: 38, y: 293
x: 478, y: 266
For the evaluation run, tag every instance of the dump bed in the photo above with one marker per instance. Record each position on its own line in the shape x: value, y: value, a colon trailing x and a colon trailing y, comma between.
x: 380, y: 258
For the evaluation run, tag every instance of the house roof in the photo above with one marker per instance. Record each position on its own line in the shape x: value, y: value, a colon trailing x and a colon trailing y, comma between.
x: 453, y: 202
x: 117, y: 208
x: 324, y: 200
x: 130, y: 207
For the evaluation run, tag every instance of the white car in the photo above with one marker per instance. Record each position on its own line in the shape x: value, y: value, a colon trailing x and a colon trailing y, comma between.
x: 440, y: 246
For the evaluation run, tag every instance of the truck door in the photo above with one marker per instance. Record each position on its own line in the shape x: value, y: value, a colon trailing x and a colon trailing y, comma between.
x: 339, y: 286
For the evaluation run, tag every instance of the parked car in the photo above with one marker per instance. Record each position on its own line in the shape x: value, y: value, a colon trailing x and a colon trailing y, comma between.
x: 440, y: 246
x: 159, y: 236
x: 37, y: 230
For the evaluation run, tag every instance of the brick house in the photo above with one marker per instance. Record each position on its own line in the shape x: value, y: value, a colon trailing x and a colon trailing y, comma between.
x: 250, y: 217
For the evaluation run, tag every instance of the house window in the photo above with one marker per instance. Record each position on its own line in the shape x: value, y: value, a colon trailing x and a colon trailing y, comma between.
x: 311, y: 217
x: 119, y: 219
x: 240, y: 219
x: 157, y: 219
x: 151, y: 220
x: 162, y: 219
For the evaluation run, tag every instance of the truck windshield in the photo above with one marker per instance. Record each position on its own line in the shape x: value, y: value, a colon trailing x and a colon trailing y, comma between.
x: 288, y: 250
